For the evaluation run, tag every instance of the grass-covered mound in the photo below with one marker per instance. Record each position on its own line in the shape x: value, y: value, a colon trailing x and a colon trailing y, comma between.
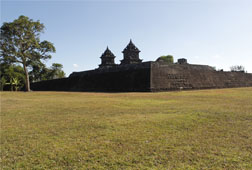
x: 206, y: 129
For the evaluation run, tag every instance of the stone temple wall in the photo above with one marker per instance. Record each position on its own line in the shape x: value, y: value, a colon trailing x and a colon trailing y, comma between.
x: 147, y: 76
x: 186, y: 76
x: 135, y: 77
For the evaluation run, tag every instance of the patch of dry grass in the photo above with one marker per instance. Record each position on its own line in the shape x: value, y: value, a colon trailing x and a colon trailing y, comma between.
x: 205, y: 129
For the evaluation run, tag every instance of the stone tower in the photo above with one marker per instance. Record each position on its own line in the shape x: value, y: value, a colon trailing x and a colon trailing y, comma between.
x: 131, y: 54
x: 107, y: 59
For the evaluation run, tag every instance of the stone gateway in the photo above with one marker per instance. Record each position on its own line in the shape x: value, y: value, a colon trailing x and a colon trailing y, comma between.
x: 134, y: 75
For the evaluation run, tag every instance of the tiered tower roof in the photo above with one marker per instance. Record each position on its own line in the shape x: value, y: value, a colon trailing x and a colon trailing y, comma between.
x: 107, y: 54
x: 107, y: 59
x: 131, y: 54
x: 131, y: 47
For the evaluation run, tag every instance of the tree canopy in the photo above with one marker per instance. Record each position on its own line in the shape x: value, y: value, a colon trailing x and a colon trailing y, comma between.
x: 20, y: 43
x: 41, y: 72
x: 57, y: 71
x: 12, y: 76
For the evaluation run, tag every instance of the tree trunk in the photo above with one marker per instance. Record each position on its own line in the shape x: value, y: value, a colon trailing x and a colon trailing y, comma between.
x: 27, y: 81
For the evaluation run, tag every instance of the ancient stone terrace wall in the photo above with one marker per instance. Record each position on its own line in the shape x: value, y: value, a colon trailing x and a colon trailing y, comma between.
x: 187, y: 76
x: 147, y: 76
x: 63, y: 84
x: 135, y: 77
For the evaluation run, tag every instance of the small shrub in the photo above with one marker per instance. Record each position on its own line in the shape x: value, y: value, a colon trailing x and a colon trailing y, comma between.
x: 167, y: 59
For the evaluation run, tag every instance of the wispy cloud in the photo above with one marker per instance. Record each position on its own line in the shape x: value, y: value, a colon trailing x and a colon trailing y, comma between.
x: 75, y: 65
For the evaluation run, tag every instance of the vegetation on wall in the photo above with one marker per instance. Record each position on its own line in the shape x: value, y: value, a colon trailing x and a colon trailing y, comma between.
x: 166, y: 58
x: 237, y: 68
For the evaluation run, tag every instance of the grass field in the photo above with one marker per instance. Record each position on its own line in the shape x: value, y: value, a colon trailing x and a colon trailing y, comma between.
x: 205, y: 129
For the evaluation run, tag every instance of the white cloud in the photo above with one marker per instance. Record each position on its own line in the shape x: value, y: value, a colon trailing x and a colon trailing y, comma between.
x: 75, y: 65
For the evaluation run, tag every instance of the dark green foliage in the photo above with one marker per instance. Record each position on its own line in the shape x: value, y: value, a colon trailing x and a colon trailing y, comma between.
x: 37, y: 72
x: 20, y: 43
x: 167, y: 59
x: 57, y: 71
x: 12, y: 77
x: 41, y: 72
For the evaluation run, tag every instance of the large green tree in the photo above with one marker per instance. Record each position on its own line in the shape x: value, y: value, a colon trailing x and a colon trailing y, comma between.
x: 20, y: 43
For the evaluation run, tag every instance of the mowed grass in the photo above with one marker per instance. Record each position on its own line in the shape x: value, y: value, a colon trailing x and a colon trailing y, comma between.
x: 205, y: 129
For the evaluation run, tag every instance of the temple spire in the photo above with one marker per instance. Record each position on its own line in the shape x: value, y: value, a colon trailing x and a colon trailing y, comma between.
x: 131, y: 54
x: 107, y: 59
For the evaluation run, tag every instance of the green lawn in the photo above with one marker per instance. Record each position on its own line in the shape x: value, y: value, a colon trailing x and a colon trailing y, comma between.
x: 205, y: 129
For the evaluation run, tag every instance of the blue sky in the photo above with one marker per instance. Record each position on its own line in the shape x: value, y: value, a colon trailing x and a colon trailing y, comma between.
x: 211, y: 32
